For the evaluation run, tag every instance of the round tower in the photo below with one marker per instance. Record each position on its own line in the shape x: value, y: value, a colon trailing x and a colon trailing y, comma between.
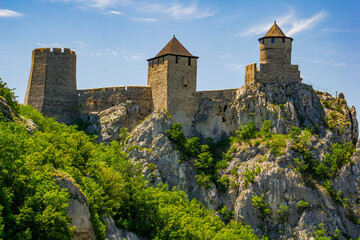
x: 52, y: 84
x: 275, y: 47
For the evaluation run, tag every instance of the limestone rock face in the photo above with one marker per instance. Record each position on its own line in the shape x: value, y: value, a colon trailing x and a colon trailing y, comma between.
x: 107, y: 124
x: 78, y: 208
x: 113, y: 233
x: 285, y: 105
x: 275, y: 176
x: 298, y: 205
x: 5, y: 110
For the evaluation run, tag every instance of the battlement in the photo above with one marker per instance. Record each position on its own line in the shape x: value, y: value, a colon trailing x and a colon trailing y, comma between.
x: 55, y: 50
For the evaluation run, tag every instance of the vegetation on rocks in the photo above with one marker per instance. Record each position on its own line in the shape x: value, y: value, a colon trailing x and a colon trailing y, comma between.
x: 32, y: 206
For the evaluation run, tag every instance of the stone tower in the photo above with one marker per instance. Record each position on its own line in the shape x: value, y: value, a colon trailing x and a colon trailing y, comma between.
x: 52, y: 84
x: 275, y: 59
x: 172, y: 78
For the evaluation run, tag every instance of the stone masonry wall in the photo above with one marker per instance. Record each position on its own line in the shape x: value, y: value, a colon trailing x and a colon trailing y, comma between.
x: 99, y: 99
x: 52, y: 83
x: 181, y: 91
x: 251, y: 73
x: 277, y: 51
x: 224, y: 94
x: 157, y: 79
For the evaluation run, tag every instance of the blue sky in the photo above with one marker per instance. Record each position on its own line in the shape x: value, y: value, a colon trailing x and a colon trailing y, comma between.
x: 113, y: 39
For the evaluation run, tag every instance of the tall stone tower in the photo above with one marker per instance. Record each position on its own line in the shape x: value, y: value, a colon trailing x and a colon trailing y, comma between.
x: 172, y: 78
x: 275, y: 59
x: 52, y: 84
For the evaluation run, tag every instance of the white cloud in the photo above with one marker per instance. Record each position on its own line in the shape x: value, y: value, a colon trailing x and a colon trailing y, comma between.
x: 149, y: 20
x: 5, y: 13
x: 338, y: 64
x: 340, y: 30
x: 304, y: 24
x: 115, y: 12
x: 289, y: 23
x: 178, y: 11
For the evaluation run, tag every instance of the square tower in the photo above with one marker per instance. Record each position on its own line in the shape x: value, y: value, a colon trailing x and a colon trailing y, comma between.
x: 172, y: 78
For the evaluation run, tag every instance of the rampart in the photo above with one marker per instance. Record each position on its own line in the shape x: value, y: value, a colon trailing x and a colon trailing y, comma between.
x: 98, y: 99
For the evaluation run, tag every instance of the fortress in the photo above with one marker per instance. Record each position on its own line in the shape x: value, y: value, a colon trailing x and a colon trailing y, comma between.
x: 171, y: 83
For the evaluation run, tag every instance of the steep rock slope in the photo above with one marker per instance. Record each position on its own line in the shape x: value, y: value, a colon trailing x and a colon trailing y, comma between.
x: 294, y: 203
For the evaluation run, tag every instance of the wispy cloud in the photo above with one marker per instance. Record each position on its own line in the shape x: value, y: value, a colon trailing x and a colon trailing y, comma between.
x: 289, y: 23
x: 340, y: 30
x: 338, y: 64
x: 5, y: 13
x: 149, y: 20
x: 178, y: 11
x: 115, y: 12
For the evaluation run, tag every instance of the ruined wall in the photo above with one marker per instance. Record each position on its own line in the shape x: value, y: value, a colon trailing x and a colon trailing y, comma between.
x: 251, y: 73
x: 52, y: 83
x: 99, y: 99
x: 223, y: 94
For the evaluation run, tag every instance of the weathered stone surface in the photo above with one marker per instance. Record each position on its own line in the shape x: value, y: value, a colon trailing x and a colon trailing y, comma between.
x: 5, y: 110
x: 107, y: 124
x: 285, y: 106
x: 113, y: 233
x: 78, y: 208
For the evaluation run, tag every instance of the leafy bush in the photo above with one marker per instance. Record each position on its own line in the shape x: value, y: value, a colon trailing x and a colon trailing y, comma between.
x: 244, y: 133
x: 302, y: 205
x: 340, y: 155
x: 9, y: 96
x: 263, y: 207
x: 283, y: 213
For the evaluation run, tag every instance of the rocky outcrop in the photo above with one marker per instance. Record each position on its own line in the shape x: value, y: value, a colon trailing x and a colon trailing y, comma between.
x: 108, y: 124
x: 113, y: 233
x: 78, y: 209
x: 285, y: 105
x: 297, y: 205
x: 6, y: 111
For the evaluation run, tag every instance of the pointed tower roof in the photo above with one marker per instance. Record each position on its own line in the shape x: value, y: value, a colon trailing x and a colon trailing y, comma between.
x: 174, y: 47
x: 274, y: 31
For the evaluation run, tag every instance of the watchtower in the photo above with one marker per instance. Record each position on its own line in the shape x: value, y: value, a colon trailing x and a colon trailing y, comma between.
x: 275, y: 59
x: 52, y: 84
x: 172, y: 78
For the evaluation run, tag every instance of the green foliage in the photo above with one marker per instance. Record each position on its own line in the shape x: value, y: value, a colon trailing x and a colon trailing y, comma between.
x: 263, y: 207
x: 283, y: 213
x: 265, y: 130
x: 244, y: 133
x: 319, y: 232
x: 249, y: 176
x: 226, y: 215
x: 340, y: 155
x: 9, y: 96
x: 206, y: 160
x: 302, y: 205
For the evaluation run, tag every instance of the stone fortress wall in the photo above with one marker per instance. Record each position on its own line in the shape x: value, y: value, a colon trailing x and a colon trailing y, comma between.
x: 171, y: 81
x: 99, y: 99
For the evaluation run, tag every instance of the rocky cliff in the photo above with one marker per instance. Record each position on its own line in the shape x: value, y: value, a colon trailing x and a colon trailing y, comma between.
x: 276, y: 184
